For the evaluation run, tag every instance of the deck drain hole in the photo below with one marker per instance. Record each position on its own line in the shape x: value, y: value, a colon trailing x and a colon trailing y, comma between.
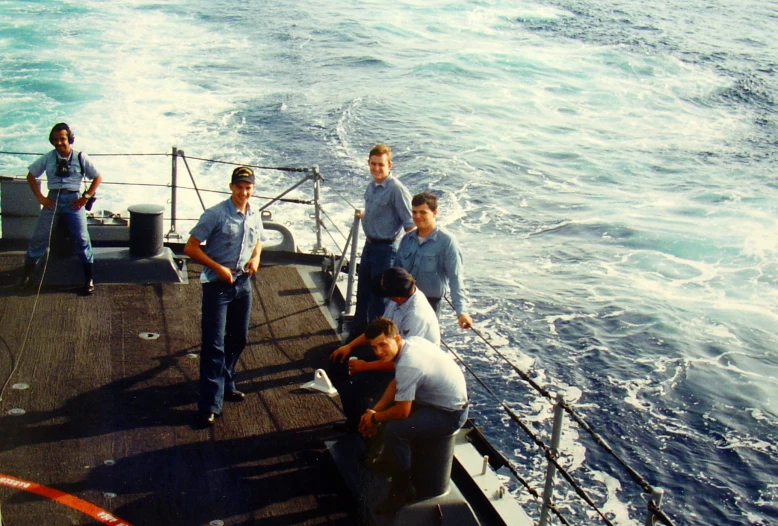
x: 148, y: 335
x: 16, y: 411
x: 109, y: 495
x: 20, y: 386
x: 109, y: 462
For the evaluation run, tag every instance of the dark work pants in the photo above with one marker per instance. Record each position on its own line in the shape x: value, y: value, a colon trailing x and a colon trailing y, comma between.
x: 225, y: 323
x: 362, y: 390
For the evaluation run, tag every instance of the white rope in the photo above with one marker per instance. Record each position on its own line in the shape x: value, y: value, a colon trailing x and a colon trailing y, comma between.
x: 35, y: 303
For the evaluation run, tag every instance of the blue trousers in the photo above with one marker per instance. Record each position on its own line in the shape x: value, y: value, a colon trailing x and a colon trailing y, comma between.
x: 360, y: 391
x: 375, y: 260
x: 424, y: 421
x: 225, y: 325
x: 75, y: 220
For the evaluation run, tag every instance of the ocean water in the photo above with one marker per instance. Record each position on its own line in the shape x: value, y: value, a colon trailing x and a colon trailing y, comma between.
x: 609, y: 168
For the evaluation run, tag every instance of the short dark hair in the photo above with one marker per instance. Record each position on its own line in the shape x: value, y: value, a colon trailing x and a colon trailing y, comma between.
x: 425, y: 198
x: 381, y: 326
x: 381, y: 149
x: 61, y: 126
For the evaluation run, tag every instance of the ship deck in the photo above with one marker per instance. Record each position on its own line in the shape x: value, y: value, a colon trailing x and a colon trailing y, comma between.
x: 109, y: 415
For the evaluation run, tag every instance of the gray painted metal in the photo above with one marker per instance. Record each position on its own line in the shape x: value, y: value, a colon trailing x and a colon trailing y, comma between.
x: 556, y: 437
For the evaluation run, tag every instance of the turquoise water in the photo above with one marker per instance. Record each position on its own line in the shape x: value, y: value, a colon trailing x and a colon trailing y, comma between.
x: 608, y: 167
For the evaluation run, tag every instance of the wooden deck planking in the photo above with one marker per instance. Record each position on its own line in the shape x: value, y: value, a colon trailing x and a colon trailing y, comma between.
x: 100, y: 393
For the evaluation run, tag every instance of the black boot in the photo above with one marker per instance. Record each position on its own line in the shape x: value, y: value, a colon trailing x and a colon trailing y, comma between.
x: 26, y: 279
x: 401, y: 491
x: 89, y: 283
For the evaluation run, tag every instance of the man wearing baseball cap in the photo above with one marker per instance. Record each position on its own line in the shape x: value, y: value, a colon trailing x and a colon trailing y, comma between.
x: 358, y: 380
x: 231, y: 231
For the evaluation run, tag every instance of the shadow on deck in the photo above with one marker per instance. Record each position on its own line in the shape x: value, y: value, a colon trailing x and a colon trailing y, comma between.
x: 108, y: 414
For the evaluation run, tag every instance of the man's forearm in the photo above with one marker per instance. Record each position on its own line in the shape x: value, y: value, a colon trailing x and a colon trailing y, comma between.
x: 399, y: 411
x: 387, y: 398
x: 92, y: 190
x: 33, y: 182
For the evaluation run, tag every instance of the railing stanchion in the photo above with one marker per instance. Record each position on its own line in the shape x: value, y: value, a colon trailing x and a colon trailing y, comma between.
x: 556, y: 437
x: 174, y: 186
x: 653, y: 503
x: 317, y: 208
x: 338, y: 267
x: 352, y: 264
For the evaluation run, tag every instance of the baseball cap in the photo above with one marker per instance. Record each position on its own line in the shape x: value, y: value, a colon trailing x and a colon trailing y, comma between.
x: 242, y: 173
x: 394, y: 282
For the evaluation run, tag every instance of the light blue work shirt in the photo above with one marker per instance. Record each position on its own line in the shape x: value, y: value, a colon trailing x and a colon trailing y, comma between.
x: 48, y: 163
x: 229, y: 237
x: 435, y: 264
x: 415, y: 317
x: 426, y: 374
x: 387, y: 209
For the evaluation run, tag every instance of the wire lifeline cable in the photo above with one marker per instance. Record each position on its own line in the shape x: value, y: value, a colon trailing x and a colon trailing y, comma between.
x: 35, y: 303
x: 569, y: 410
x: 532, y: 491
x: 333, y: 190
x: 259, y: 167
x: 631, y: 471
x: 97, y: 154
x: 550, y: 456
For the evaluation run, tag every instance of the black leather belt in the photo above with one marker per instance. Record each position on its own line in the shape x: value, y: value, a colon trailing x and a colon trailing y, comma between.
x: 377, y: 241
x: 444, y: 409
x: 65, y: 192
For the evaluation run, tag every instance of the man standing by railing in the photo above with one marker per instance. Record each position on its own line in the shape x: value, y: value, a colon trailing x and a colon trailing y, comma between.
x: 432, y: 256
x: 387, y: 212
x: 65, y: 169
x: 231, y: 231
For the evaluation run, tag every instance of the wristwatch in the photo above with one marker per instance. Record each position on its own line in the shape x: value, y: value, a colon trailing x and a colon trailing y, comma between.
x: 86, y: 196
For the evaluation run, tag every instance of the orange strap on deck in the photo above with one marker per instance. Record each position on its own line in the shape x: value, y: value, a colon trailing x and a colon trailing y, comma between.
x: 70, y: 501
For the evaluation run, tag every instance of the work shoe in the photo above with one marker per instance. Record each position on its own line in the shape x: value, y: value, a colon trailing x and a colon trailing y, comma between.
x: 24, y: 283
x: 235, y: 396
x: 206, y: 419
x: 89, y: 288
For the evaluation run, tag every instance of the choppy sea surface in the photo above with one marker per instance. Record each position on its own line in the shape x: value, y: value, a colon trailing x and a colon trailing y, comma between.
x: 609, y: 168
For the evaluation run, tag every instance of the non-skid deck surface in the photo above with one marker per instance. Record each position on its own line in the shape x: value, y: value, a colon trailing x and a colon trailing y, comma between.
x: 109, y: 414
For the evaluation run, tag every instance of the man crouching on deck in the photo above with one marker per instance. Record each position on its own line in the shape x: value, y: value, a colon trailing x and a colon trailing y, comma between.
x: 427, y: 398
x: 231, y: 232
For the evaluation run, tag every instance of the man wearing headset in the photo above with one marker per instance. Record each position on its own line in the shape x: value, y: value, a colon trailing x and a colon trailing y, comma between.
x: 64, y: 168
x: 231, y: 231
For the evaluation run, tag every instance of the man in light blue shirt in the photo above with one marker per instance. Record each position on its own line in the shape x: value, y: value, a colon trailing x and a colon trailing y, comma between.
x: 432, y: 255
x: 427, y: 398
x: 65, y: 169
x: 387, y: 212
x: 365, y: 376
x: 231, y: 231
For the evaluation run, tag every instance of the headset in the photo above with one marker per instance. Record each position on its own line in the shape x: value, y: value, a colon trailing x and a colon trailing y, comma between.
x: 59, y: 127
